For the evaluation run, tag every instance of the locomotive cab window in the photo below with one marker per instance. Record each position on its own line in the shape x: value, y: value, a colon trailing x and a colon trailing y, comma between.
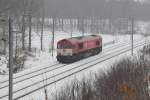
x: 80, y: 45
x: 97, y: 43
x: 64, y: 46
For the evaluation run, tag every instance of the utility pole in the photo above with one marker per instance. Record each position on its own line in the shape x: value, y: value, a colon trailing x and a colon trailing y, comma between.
x: 42, y: 32
x: 42, y: 28
x: 10, y: 60
x: 132, y: 31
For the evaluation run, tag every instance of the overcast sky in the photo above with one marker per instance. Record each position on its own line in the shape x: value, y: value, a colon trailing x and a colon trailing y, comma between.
x: 92, y: 8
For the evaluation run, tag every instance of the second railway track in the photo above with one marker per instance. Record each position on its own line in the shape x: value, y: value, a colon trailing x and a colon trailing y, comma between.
x: 107, y: 48
x: 76, y: 68
x: 52, y: 67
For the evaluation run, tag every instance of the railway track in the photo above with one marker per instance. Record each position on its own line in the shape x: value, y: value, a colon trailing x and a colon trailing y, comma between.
x: 29, y: 73
x: 46, y: 69
x: 78, y: 69
x: 56, y: 64
x: 66, y: 71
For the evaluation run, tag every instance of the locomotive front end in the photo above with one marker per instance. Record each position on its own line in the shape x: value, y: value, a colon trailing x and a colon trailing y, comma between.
x: 64, y: 51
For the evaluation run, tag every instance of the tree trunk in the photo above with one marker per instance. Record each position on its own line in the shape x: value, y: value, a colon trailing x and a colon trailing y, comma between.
x: 42, y: 32
x: 82, y: 27
x: 91, y: 24
x: 16, y: 51
x: 62, y: 26
x: 23, y: 32
x: 78, y: 24
x: 37, y: 24
x: 4, y: 39
x: 53, y: 33
x: 71, y: 27
x: 30, y: 29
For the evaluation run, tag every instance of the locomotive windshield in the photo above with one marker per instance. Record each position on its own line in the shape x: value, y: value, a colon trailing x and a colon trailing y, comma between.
x: 64, y: 46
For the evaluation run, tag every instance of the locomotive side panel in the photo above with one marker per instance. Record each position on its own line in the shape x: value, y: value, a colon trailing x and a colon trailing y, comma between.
x: 87, y: 45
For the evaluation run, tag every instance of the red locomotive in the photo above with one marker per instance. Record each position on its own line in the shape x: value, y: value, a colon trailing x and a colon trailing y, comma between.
x: 76, y: 48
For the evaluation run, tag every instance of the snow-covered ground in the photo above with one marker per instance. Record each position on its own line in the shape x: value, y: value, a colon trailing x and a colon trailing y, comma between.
x: 102, y: 66
x: 43, y: 59
x: 3, y: 65
x: 38, y: 56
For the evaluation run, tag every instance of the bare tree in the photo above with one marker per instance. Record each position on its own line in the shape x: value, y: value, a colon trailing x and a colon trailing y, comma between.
x: 42, y: 25
x: 4, y: 37
x: 30, y: 29
x: 71, y: 26
x: 23, y: 32
x: 53, y: 34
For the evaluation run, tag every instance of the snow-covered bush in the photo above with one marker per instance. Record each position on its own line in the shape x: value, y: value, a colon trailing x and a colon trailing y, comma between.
x: 145, y: 53
x: 18, y: 63
x: 126, y: 80
x: 3, y: 64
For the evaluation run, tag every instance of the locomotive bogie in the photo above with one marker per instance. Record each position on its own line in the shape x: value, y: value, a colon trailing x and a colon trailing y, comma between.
x: 79, y: 56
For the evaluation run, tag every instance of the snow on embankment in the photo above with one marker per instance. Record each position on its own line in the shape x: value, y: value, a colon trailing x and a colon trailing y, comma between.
x: 45, y: 58
x: 3, y: 65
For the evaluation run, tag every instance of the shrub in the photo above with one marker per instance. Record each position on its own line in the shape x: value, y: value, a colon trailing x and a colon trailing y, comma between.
x: 126, y: 80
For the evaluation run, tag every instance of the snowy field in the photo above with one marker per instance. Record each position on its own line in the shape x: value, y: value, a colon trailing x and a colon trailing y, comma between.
x: 102, y: 67
x: 37, y: 60
x: 39, y: 95
x: 44, y: 59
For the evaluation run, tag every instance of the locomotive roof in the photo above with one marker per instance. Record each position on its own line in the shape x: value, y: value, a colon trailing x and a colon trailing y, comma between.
x: 83, y: 38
